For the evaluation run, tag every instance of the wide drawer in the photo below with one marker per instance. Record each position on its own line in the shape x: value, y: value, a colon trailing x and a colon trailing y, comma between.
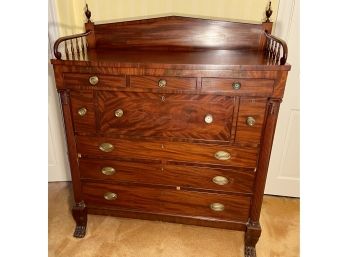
x: 164, y: 150
x: 226, y: 180
x: 96, y: 81
x: 166, y: 83
x: 251, y: 87
x: 166, y: 115
x: 167, y: 201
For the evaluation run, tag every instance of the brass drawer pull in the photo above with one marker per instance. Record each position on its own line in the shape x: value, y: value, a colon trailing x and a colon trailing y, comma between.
x: 108, y: 171
x: 106, y: 147
x: 236, y: 85
x: 82, y: 111
x: 222, y: 155
x: 250, y: 121
x: 220, y: 180
x: 162, y: 83
x: 217, y: 207
x: 208, y: 118
x: 119, y: 113
x: 93, y: 80
x: 110, y: 196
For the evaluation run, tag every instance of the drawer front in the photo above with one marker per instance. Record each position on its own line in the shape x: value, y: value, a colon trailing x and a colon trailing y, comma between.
x: 168, y: 201
x: 166, y: 115
x: 165, y: 83
x: 252, y: 87
x: 83, y: 113
x: 171, y: 175
x: 250, y: 120
x: 102, y: 82
x: 163, y: 150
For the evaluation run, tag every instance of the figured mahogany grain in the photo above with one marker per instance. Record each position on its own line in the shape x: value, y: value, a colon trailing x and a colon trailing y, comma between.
x: 78, y: 80
x: 189, y: 177
x: 250, y: 107
x: 250, y: 87
x: 166, y: 115
x: 168, y: 201
x: 83, y: 99
x: 166, y: 150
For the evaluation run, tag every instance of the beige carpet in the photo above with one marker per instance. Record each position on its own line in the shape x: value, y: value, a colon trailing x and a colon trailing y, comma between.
x: 120, y: 237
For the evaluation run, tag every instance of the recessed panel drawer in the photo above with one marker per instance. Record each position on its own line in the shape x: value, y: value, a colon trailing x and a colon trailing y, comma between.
x: 166, y: 115
x: 165, y: 83
x: 250, y: 120
x: 252, y: 87
x: 226, y: 180
x: 167, y: 201
x: 93, y: 81
x: 164, y: 150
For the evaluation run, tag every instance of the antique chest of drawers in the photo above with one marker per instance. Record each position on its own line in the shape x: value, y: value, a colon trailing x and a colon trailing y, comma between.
x: 171, y: 119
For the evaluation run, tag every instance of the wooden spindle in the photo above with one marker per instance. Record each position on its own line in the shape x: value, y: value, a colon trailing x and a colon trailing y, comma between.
x: 82, y: 48
x: 72, y: 49
x: 66, y: 50
x: 77, y: 49
x: 278, y: 53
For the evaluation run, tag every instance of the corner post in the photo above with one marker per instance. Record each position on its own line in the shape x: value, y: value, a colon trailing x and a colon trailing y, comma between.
x: 89, y: 26
x: 267, y: 26
x: 253, y: 230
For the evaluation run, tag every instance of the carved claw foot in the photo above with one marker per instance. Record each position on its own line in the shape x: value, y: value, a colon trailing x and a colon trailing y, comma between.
x: 250, y: 251
x: 80, y: 231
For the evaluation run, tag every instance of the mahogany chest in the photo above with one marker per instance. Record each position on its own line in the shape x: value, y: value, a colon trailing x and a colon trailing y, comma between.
x: 171, y: 119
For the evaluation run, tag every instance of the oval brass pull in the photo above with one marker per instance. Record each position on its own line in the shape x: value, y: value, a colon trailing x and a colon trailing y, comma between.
x: 110, y: 196
x: 236, y: 85
x: 208, y: 118
x: 108, y: 171
x: 162, y: 83
x: 106, y: 147
x: 82, y: 111
x: 217, y: 207
x: 93, y: 80
x: 250, y: 121
x: 222, y: 155
x: 119, y: 113
x: 220, y: 180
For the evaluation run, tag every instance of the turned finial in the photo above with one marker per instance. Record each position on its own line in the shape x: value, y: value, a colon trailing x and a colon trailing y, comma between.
x: 269, y: 12
x: 88, y: 13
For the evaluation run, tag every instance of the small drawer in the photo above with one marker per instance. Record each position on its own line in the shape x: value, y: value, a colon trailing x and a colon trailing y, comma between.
x: 167, y: 201
x: 165, y: 83
x: 96, y: 81
x: 224, y: 180
x: 82, y: 108
x: 164, y: 150
x: 250, y: 120
x: 252, y: 87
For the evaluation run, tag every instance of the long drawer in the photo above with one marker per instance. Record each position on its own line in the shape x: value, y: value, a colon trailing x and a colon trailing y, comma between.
x: 167, y: 201
x: 164, y: 150
x: 166, y: 115
x: 226, y: 180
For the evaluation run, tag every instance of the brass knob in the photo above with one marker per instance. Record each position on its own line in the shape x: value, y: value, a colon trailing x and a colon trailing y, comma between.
x: 208, y: 118
x: 222, y: 155
x: 220, y: 180
x: 119, y: 113
x: 108, y: 171
x: 217, y: 207
x: 82, y: 111
x: 93, y: 80
x: 106, y: 147
x: 236, y: 85
x: 250, y: 121
x: 110, y: 196
x: 162, y: 83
